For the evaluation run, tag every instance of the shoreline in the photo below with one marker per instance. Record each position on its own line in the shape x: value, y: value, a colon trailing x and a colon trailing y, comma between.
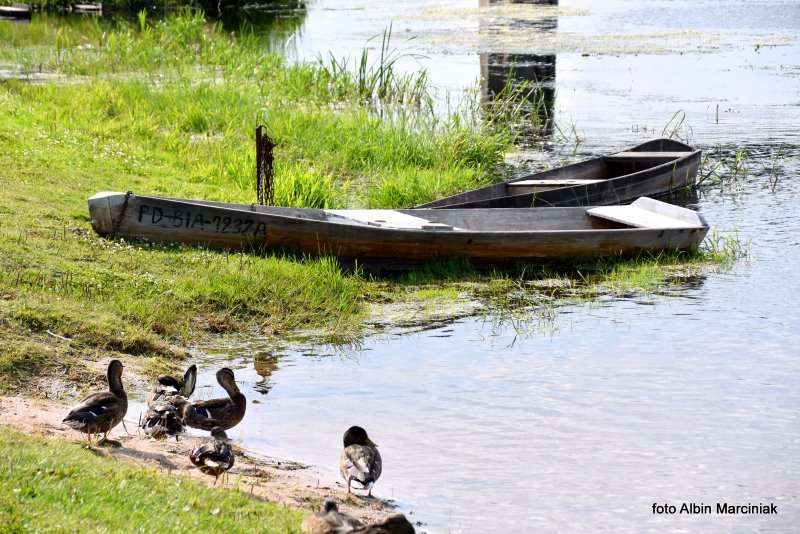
x: 277, y: 480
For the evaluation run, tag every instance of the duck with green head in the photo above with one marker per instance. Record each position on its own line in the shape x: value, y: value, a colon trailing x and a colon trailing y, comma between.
x: 100, y: 412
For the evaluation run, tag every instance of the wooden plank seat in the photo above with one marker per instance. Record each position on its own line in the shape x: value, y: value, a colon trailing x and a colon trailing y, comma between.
x: 645, y: 155
x: 389, y: 219
x: 649, y: 213
x: 555, y: 183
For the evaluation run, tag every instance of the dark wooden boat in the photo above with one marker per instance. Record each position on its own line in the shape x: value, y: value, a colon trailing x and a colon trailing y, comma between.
x: 402, y: 237
x: 16, y: 11
x: 655, y: 168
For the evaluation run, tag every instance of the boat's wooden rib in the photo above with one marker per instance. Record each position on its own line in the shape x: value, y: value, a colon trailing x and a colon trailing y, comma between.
x: 655, y: 168
x: 394, y: 237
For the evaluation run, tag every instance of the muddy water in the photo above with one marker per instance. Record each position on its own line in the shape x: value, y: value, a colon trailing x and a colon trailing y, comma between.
x: 688, y: 396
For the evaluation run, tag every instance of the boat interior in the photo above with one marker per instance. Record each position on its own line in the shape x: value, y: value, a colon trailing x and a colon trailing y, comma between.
x: 592, y: 171
x: 643, y: 213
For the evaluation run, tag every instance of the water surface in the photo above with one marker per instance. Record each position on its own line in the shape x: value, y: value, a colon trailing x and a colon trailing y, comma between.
x: 688, y: 396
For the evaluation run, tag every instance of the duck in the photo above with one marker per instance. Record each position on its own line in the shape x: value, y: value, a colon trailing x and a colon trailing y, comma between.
x: 360, y: 460
x: 223, y: 413
x: 215, y: 456
x: 168, y: 385
x: 100, y: 412
x: 163, y: 417
x: 329, y: 520
x: 394, y: 524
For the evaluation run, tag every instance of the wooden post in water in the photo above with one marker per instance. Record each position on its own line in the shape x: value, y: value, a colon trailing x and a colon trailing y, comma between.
x: 264, y: 159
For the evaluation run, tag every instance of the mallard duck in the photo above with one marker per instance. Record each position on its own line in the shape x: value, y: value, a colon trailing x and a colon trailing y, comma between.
x: 394, y: 524
x: 163, y: 416
x: 215, y: 456
x: 168, y: 386
x: 100, y: 412
x: 222, y: 413
x: 329, y: 520
x: 360, y: 460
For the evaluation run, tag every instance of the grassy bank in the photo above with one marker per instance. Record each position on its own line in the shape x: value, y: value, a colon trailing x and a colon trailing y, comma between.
x: 49, y: 485
x: 168, y: 108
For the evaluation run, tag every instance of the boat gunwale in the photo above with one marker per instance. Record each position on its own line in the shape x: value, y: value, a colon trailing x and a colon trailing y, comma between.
x: 420, y: 232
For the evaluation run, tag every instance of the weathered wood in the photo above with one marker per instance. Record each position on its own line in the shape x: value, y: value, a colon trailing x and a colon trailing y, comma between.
x: 649, y: 213
x: 483, y: 236
x: 388, y: 219
x: 656, y: 168
x: 554, y: 183
x: 647, y: 155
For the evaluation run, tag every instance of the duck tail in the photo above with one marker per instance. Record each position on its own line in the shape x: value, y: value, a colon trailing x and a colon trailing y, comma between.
x: 77, y: 420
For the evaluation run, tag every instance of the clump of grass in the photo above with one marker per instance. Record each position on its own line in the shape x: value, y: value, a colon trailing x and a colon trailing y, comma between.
x: 377, y: 83
x: 49, y: 485
x: 725, y: 169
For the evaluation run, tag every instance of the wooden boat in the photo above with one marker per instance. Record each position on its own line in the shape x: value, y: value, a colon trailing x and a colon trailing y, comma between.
x: 654, y: 168
x: 398, y: 238
x: 16, y: 11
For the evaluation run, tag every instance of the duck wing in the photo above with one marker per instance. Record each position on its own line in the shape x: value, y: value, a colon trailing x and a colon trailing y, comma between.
x: 213, y: 457
x: 395, y: 524
x: 361, y: 463
x: 163, y: 418
x: 99, y: 411
x: 189, y: 382
x: 207, y: 414
x: 333, y: 522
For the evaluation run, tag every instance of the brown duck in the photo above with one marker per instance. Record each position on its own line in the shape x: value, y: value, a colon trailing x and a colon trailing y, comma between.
x: 360, y: 460
x: 215, y: 456
x: 394, y: 524
x: 329, y: 520
x: 100, y: 412
x: 223, y: 413
x: 163, y: 417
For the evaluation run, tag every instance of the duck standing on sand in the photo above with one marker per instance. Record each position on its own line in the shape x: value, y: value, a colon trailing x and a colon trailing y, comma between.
x: 100, y: 412
x: 360, y: 460
x: 215, y: 456
x: 329, y: 520
x: 217, y: 413
x: 163, y: 416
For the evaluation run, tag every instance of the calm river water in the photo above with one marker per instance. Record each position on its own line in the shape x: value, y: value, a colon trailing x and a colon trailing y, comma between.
x: 692, y: 395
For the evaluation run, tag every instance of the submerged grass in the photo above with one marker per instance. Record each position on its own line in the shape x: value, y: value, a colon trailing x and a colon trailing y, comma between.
x: 47, y: 485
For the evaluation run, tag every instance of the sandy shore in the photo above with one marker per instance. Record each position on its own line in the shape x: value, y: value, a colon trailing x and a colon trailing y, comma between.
x: 277, y: 480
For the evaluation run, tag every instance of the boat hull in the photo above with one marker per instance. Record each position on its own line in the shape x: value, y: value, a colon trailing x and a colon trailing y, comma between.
x: 619, y: 180
x: 505, y: 236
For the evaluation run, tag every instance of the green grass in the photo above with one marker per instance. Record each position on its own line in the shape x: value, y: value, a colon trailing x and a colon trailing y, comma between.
x: 168, y: 107
x: 51, y: 486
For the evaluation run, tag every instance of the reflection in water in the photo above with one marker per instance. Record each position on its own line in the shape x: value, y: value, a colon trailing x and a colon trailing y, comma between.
x: 501, y: 69
x: 265, y: 363
x: 279, y: 19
